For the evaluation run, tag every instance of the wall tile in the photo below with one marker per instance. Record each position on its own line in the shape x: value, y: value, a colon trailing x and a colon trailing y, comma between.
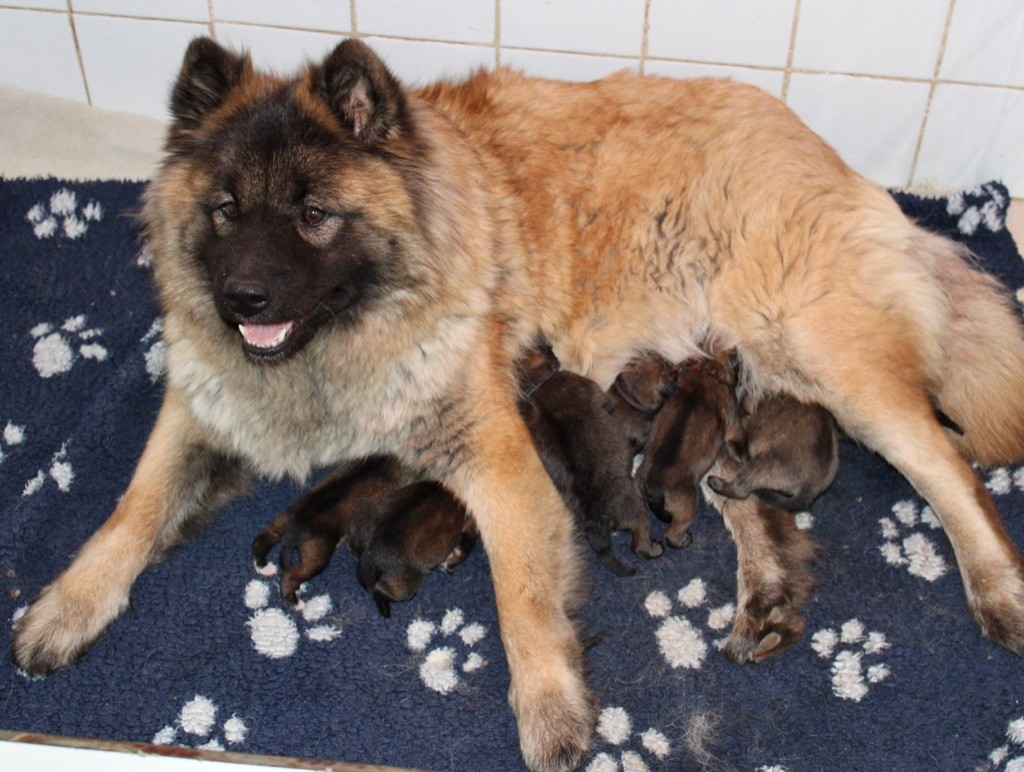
x: 329, y: 15
x: 583, y: 26
x: 725, y: 32
x: 769, y: 80
x: 873, y: 124
x: 283, y: 51
x: 974, y: 135
x: 131, y: 64
x: 417, y: 63
x: 53, y: 5
x: 871, y: 37
x: 37, y: 53
x: 986, y: 43
x: 182, y: 10
x: 575, y: 67
x: 461, y: 21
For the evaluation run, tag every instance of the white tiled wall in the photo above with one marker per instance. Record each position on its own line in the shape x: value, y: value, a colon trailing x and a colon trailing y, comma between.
x: 906, y: 91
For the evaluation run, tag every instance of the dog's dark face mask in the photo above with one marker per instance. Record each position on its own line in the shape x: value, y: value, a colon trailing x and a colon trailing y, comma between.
x: 298, y: 230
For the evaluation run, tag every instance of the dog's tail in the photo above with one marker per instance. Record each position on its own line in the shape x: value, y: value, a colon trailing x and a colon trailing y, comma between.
x: 980, y: 379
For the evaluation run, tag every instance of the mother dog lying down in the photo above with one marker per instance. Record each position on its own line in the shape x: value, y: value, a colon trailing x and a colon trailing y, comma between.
x: 348, y: 267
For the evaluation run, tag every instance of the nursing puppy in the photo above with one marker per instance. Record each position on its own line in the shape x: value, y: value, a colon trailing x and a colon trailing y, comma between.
x: 586, y: 454
x: 637, y: 394
x: 699, y: 421
x: 792, y: 453
x: 399, y: 530
x: 347, y: 267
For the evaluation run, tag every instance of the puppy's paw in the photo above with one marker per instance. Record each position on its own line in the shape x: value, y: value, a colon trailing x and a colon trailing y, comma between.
x: 59, y: 626
x: 556, y: 728
x: 764, y: 627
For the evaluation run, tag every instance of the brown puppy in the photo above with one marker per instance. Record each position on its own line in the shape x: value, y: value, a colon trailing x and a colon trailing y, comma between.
x: 399, y: 532
x: 347, y: 267
x: 792, y: 451
x: 637, y: 394
x: 586, y: 455
x: 700, y: 418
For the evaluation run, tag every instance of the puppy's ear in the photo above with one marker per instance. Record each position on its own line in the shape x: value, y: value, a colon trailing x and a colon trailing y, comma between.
x: 361, y: 90
x: 208, y: 73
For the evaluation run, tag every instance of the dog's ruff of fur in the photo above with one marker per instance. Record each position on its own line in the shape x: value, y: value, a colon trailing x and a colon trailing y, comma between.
x: 629, y: 215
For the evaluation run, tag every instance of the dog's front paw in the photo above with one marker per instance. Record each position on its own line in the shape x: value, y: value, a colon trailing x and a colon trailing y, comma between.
x: 59, y: 626
x: 555, y: 728
x: 765, y: 626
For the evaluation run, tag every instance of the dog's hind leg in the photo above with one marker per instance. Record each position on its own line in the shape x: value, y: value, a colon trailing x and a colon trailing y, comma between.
x: 874, y: 390
x: 177, y: 478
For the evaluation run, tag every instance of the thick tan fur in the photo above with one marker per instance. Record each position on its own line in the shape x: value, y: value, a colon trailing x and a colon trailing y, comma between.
x: 625, y: 216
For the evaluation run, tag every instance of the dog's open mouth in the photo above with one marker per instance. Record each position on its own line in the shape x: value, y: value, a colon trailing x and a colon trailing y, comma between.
x: 268, y: 341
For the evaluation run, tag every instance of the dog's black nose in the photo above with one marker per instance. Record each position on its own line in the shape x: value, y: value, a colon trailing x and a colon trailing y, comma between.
x: 245, y: 298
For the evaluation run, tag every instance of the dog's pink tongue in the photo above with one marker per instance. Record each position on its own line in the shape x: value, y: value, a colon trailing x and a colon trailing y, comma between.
x: 264, y: 335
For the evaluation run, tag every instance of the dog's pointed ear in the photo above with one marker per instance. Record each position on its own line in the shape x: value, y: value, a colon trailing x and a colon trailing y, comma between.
x: 208, y: 73
x: 361, y: 91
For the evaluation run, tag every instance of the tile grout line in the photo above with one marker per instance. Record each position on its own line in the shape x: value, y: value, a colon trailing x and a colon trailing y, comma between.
x: 213, y: 27
x: 645, y: 36
x: 931, y: 92
x: 352, y: 18
x: 78, y: 53
x: 789, y: 53
x: 497, y: 34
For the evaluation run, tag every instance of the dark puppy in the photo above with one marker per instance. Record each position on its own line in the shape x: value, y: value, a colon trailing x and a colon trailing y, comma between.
x: 400, y: 531
x: 586, y: 455
x: 699, y: 418
x: 792, y: 455
x: 637, y: 395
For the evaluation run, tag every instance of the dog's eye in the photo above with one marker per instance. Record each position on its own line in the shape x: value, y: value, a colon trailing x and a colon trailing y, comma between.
x: 229, y: 209
x: 313, y: 216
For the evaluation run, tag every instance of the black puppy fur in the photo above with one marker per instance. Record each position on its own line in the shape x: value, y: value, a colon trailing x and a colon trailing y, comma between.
x: 586, y: 454
x: 399, y: 530
x: 792, y: 455
x: 637, y: 395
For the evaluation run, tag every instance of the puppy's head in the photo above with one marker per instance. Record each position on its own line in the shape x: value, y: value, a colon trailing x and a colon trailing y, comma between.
x: 286, y: 203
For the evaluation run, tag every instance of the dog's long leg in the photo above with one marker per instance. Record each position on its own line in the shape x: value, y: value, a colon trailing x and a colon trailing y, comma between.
x: 527, y: 534
x: 176, y: 478
x: 909, y: 436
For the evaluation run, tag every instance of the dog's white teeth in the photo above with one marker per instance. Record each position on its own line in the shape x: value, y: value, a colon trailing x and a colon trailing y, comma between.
x: 265, y: 335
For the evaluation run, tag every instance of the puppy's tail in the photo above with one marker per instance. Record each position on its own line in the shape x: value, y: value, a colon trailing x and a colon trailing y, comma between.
x: 981, y: 376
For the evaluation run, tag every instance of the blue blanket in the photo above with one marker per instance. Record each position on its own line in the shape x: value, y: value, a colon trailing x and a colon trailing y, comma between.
x: 891, y: 673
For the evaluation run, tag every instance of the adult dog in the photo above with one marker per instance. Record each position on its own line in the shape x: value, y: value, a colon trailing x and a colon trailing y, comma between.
x: 348, y: 267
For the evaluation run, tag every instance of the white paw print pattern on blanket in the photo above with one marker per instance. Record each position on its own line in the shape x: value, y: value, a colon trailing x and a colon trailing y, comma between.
x: 1014, y: 746
x: 990, y: 214
x: 854, y: 644
x: 1002, y: 481
x: 916, y: 552
x: 194, y: 728
x: 680, y: 641
x: 155, y: 355
x: 60, y: 471
x: 54, y: 350
x: 615, y: 727
x: 440, y: 665
x: 13, y: 436
x: 63, y: 216
x: 274, y: 632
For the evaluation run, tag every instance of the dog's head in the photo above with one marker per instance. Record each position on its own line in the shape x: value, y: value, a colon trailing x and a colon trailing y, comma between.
x: 289, y: 203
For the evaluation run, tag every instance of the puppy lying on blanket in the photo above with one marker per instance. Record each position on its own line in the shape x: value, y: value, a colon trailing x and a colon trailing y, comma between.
x: 399, y: 530
x: 637, y: 394
x: 792, y: 453
x: 586, y: 454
